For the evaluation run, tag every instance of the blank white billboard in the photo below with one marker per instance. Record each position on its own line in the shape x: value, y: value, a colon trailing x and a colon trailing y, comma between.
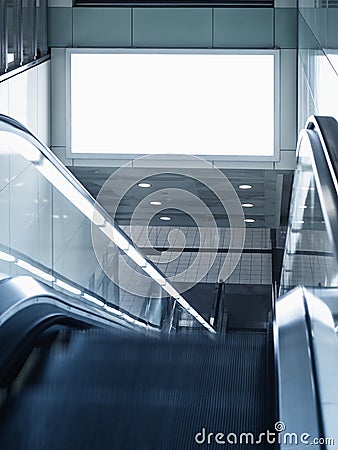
x: 217, y: 104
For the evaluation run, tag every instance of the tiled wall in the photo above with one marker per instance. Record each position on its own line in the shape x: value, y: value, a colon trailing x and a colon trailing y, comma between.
x: 254, y: 267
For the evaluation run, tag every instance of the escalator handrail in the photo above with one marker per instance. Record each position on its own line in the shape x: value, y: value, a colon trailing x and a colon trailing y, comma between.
x: 324, y: 353
x: 298, y: 403
x: 306, y: 355
x: 28, y: 308
x: 322, y: 133
x: 11, y: 125
x: 327, y: 129
x: 18, y: 293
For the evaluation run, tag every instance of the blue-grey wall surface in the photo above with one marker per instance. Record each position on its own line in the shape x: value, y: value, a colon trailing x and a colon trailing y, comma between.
x: 172, y: 27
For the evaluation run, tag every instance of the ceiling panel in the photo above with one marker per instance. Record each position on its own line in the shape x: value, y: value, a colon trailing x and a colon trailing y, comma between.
x: 269, y: 188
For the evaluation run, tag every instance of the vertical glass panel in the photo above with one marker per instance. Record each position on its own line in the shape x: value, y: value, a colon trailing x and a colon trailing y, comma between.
x: 29, y: 29
x: 3, y: 37
x: 73, y: 253
x: 23, y: 32
x: 41, y: 27
x: 47, y: 229
x: 309, y: 259
x: 11, y: 30
x: 185, y: 323
x: 24, y: 212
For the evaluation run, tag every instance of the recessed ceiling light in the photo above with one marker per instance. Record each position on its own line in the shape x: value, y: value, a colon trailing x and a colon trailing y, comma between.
x: 144, y: 185
x: 249, y: 220
x: 156, y: 203
x: 247, y: 205
x: 245, y: 186
x: 165, y: 218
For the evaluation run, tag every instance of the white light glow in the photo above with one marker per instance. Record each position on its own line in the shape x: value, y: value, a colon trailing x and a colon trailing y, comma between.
x: 113, y: 310
x: 144, y: 185
x: 120, y: 240
x: 136, y: 256
x: 182, y: 301
x: 249, y: 220
x: 70, y: 192
x: 97, y: 218
x: 128, y: 318
x: 245, y: 186
x: 247, y: 205
x: 92, y: 299
x: 175, y: 294
x: 10, y: 142
x: 171, y: 291
x: 124, y: 316
x: 116, y: 236
x: 34, y: 270
x: 6, y: 257
x: 165, y: 218
x: 10, y: 58
x: 178, y: 103
x: 327, y: 84
x: 156, y: 203
x: 153, y: 273
x: 68, y: 287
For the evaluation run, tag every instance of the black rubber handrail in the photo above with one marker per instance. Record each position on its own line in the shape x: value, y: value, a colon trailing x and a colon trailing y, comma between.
x: 28, y: 308
x: 322, y: 133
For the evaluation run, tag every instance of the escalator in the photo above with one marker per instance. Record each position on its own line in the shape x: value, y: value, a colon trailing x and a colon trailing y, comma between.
x: 97, y: 371
x: 108, y: 389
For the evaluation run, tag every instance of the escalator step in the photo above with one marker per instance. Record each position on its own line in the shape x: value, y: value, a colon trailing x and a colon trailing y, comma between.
x: 107, y: 390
